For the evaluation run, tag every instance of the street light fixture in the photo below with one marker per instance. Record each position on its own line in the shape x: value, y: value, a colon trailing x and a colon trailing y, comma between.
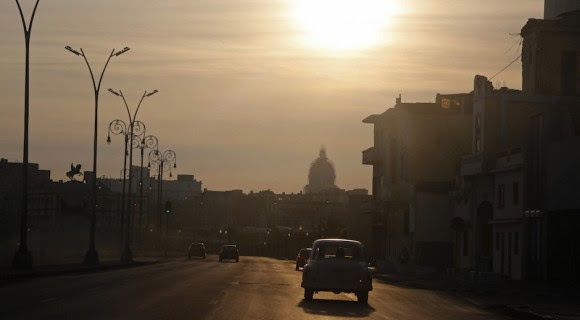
x: 23, y: 257
x: 148, y: 142
x: 133, y: 131
x: 92, y: 256
x: 119, y: 127
x: 163, y: 160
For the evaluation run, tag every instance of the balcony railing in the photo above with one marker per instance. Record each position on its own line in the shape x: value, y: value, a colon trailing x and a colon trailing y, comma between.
x: 472, y: 164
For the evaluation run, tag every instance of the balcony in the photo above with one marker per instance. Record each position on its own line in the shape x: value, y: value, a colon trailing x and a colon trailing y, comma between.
x: 371, y: 157
x: 509, y: 158
x: 472, y: 164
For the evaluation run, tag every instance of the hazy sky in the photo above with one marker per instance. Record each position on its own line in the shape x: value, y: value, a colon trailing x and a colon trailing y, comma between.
x: 248, y: 91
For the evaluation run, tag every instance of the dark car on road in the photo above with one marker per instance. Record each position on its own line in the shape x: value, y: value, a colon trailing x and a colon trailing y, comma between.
x: 302, y: 256
x: 229, y: 251
x: 337, y: 265
x: 196, y: 250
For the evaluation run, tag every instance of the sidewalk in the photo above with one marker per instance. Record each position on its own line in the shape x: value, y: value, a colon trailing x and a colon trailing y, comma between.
x: 517, y: 299
x: 9, y: 275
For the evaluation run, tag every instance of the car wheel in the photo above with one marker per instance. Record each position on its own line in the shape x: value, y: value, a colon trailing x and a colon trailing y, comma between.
x: 237, y: 259
x: 363, y: 297
x: 297, y: 268
x: 308, y: 294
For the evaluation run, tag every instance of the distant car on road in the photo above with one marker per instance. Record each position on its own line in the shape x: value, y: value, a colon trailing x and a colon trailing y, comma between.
x: 196, y: 249
x: 229, y: 251
x: 337, y: 265
x: 302, y: 256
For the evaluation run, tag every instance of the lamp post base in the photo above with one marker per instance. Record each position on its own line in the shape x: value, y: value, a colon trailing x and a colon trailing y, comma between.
x: 22, y: 259
x: 91, y: 258
x: 127, y: 255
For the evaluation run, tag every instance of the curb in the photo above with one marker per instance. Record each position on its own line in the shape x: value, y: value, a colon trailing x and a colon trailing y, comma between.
x: 521, y: 313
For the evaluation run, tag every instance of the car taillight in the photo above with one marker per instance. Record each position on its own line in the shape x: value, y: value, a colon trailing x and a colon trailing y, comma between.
x: 299, y: 257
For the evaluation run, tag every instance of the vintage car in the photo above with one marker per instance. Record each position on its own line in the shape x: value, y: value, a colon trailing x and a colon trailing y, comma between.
x: 229, y: 251
x: 337, y: 265
x: 302, y: 256
x: 196, y: 250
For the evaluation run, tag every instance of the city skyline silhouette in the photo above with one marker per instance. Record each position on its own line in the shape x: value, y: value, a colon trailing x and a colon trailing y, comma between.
x: 245, y: 102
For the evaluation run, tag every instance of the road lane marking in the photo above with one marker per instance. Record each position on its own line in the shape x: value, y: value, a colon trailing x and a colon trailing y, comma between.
x: 351, y: 296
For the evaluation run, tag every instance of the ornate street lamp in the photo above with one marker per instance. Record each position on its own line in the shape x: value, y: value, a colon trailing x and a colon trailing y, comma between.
x: 165, y: 161
x: 119, y: 127
x: 135, y: 128
x: 23, y: 257
x: 92, y: 256
x: 149, y: 142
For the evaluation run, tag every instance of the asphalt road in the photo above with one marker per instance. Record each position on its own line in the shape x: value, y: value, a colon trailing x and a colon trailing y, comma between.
x: 255, y: 288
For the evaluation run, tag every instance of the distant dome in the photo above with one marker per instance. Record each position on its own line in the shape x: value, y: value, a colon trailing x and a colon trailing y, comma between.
x: 321, y: 176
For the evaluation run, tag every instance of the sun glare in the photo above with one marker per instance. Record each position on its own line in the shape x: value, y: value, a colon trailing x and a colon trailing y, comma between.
x: 343, y: 25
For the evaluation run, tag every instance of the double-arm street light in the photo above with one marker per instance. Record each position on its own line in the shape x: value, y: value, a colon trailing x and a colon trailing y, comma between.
x: 119, y: 127
x: 127, y: 255
x: 165, y: 161
x: 23, y: 257
x: 92, y: 256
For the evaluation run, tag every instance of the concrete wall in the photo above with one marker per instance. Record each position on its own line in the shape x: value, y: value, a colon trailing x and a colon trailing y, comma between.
x: 432, y: 217
x: 543, y: 46
x: 433, y: 238
x: 553, y: 8
x: 562, y: 174
x: 441, y: 139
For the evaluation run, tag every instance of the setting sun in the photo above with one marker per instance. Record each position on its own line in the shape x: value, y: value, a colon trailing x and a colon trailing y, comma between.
x: 342, y: 25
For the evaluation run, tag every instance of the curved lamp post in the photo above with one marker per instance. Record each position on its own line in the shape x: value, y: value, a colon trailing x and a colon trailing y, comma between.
x: 165, y: 161
x: 92, y: 257
x: 23, y: 257
x: 149, y: 142
x: 119, y: 127
x: 134, y: 130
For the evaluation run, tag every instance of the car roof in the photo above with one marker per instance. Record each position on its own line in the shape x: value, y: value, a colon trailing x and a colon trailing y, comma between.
x: 229, y: 245
x: 344, y: 242
x: 306, y: 249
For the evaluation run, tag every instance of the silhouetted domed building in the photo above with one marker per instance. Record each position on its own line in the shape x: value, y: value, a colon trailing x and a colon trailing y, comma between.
x: 321, y: 176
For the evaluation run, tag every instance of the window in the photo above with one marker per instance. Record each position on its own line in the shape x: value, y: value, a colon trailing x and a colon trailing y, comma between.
x: 516, y: 244
x: 478, y: 133
x: 407, y: 222
x: 465, y: 243
x: 332, y: 251
x: 393, y: 161
x: 570, y: 74
x: 501, y: 195
x: 516, y: 193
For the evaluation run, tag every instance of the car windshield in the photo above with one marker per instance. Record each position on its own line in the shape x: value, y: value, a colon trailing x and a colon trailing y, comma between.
x: 338, y: 251
x: 229, y: 248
